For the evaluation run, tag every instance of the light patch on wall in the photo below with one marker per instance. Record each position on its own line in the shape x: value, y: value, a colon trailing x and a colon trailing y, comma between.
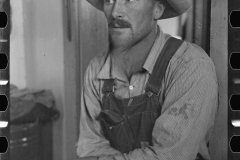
x: 169, y: 26
x: 17, y: 50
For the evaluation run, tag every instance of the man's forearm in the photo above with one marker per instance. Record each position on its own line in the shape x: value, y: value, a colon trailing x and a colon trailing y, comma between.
x: 88, y: 158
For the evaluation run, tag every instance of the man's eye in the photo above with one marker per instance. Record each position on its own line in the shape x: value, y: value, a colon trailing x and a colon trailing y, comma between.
x: 109, y: 1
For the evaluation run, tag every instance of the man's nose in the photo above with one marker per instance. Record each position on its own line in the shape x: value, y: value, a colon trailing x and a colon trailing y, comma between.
x: 118, y: 9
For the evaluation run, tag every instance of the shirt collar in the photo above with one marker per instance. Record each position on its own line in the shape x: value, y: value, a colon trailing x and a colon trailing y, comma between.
x: 107, y: 73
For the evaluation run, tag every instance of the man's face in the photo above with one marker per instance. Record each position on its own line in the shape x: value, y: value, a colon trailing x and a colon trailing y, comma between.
x: 129, y: 21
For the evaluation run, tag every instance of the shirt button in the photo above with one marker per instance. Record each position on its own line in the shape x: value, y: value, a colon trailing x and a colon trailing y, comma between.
x: 131, y: 87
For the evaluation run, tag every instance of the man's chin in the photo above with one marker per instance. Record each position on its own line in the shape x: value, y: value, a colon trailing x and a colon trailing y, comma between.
x: 119, y: 41
x: 120, y: 37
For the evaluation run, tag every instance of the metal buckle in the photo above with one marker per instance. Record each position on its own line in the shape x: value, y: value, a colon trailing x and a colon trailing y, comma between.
x: 113, y: 88
x: 149, y: 93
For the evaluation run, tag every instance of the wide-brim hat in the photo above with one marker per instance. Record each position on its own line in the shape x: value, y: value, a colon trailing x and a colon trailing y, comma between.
x: 173, y: 8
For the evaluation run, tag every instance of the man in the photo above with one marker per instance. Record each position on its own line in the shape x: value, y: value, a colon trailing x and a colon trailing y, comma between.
x: 149, y: 97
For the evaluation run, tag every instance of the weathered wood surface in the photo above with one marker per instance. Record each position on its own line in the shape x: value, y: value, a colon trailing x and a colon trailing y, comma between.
x: 219, y: 54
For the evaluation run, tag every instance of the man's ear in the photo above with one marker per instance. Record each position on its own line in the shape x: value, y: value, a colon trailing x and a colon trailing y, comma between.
x: 158, y: 10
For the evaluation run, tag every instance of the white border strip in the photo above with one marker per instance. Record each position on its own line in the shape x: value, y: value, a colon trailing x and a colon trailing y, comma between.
x: 236, y: 123
x: 3, y: 124
x: 3, y: 82
x: 236, y: 81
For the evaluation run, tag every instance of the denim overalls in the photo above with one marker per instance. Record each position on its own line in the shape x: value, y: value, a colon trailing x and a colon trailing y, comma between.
x: 128, y: 122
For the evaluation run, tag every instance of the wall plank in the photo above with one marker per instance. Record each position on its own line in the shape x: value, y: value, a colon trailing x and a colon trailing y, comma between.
x: 91, y: 26
x: 93, y: 33
x: 219, y: 54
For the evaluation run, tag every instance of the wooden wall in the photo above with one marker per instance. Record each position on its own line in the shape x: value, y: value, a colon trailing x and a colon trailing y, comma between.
x: 93, y: 32
x: 92, y: 38
x: 196, y: 29
x: 219, y: 54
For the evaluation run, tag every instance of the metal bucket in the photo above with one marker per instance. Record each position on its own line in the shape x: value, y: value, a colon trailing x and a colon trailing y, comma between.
x: 25, y: 141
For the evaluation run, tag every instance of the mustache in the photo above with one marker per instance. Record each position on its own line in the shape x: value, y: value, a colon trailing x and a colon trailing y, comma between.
x: 119, y: 23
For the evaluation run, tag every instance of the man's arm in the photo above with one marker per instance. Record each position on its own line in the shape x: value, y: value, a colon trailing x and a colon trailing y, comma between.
x: 97, y: 158
x: 188, y: 110
x: 88, y: 158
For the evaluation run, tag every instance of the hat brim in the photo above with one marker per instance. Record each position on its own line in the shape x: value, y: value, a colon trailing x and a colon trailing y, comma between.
x: 173, y: 8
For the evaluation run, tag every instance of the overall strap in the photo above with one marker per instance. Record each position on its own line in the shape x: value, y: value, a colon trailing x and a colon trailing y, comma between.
x: 108, y: 86
x: 155, y: 80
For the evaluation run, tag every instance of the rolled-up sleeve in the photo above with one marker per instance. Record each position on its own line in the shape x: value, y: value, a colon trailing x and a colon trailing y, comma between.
x: 188, y: 113
x: 91, y: 142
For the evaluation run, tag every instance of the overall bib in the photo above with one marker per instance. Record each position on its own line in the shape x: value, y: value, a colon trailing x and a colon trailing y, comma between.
x: 128, y: 122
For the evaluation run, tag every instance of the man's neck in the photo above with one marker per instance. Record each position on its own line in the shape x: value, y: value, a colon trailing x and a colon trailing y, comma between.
x: 131, y: 60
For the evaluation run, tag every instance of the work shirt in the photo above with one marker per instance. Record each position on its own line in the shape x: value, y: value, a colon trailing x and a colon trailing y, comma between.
x: 189, y: 96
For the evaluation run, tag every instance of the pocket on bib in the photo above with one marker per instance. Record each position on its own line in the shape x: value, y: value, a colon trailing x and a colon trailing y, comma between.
x: 115, y: 131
